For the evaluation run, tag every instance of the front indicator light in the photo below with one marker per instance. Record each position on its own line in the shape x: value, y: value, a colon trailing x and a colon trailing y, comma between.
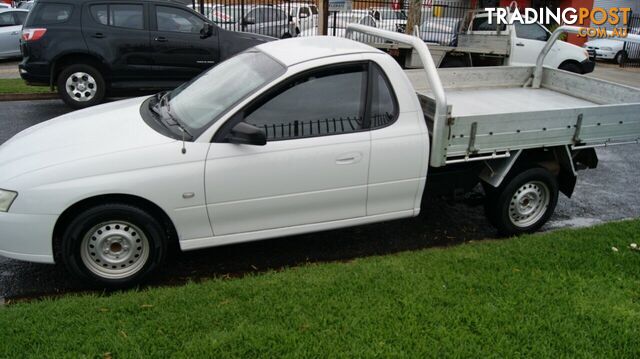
x: 6, y: 199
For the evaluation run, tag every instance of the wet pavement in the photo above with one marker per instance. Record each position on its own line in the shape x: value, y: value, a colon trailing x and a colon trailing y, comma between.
x: 607, y: 193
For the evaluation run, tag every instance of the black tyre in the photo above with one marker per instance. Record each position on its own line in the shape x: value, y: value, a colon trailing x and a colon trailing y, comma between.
x: 571, y: 67
x: 621, y: 57
x: 114, y: 245
x: 81, y: 86
x: 524, y: 202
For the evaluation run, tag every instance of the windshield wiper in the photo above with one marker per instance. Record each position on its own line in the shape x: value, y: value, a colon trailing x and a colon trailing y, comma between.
x: 164, y: 103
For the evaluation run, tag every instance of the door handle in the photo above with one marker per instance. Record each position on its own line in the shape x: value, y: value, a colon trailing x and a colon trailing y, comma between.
x: 349, y: 159
x: 160, y: 39
x: 520, y: 44
x: 98, y: 35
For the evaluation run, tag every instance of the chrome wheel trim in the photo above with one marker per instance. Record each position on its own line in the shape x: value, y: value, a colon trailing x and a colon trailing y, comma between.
x: 81, y: 87
x: 114, y: 250
x: 529, y: 204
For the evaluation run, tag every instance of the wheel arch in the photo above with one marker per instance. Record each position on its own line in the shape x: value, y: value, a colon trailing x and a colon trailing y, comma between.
x: 67, y: 216
x: 570, y: 62
x: 561, y: 161
x: 73, y: 58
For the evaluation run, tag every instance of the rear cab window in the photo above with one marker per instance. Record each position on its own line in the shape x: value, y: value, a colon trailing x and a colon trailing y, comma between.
x: 481, y: 23
x: 50, y: 14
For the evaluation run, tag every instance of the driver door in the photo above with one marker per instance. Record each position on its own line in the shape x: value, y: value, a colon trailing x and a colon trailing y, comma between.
x: 528, y: 42
x: 314, y: 166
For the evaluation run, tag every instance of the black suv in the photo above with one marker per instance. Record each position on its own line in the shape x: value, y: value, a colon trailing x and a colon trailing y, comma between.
x: 88, y: 48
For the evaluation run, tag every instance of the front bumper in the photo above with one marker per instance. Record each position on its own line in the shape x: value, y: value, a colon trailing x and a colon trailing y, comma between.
x: 588, y: 66
x: 27, y: 237
x: 605, y: 55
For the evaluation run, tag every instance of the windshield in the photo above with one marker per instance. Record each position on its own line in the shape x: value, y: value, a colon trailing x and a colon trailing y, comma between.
x: 198, y: 103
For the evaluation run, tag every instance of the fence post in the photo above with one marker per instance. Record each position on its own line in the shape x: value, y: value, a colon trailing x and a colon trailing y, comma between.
x: 323, y: 17
x: 415, y: 15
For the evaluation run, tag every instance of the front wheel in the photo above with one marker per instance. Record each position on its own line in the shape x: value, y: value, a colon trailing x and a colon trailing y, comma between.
x: 81, y: 86
x: 114, y: 245
x: 524, y: 203
x: 621, y: 57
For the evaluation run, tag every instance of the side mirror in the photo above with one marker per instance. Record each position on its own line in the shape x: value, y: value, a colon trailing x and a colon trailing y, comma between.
x: 246, y: 134
x: 207, y: 30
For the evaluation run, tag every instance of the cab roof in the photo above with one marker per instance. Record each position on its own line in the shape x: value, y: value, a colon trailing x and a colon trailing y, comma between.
x: 302, y: 49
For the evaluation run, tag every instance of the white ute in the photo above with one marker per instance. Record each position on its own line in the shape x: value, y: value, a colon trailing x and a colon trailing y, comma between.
x: 275, y: 142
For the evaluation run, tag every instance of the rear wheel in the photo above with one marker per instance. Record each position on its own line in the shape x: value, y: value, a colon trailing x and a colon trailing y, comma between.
x: 81, y: 86
x: 524, y: 203
x: 114, y: 245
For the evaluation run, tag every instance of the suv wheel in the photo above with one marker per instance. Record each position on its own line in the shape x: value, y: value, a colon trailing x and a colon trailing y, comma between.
x: 81, y: 86
x: 114, y: 245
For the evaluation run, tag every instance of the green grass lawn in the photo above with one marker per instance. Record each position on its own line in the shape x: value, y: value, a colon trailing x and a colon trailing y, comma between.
x: 18, y: 86
x: 562, y: 294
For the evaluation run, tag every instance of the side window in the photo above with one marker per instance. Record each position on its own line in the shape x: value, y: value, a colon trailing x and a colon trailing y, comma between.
x: 253, y: 16
x: 384, y: 108
x: 178, y: 20
x: 305, y: 12
x: 6, y: 19
x: 482, y: 24
x: 281, y: 15
x: 531, y: 32
x: 119, y: 15
x: 21, y: 17
x: 100, y: 13
x: 325, y: 102
x: 51, y: 13
x: 127, y: 16
x: 368, y: 21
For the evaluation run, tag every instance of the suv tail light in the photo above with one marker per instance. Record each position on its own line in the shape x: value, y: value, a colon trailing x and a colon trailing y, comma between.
x: 32, y: 34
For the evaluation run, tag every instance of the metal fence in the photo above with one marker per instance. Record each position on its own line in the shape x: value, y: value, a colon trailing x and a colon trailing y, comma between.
x: 632, y: 50
x: 440, y: 20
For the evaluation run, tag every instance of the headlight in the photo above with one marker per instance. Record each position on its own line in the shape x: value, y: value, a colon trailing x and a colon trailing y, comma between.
x: 606, y: 49
x: 6, y: 199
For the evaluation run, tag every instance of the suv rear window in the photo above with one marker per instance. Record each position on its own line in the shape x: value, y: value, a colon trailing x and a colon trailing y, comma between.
x: 50, y: 13
x: 130, y: 16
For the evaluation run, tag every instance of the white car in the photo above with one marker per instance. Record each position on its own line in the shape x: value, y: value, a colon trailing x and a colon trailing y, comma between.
x: 607, y: 49
x: 11, y: 21
x: 304, y: 15
x: 390, y: 19
x: 291, y: 137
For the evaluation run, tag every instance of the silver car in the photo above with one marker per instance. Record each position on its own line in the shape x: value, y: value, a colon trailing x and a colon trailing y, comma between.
x: 260, y: 19
x: 11, y: 21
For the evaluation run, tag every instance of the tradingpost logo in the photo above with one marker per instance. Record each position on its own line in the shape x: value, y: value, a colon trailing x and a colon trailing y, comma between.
x: 598, y: 18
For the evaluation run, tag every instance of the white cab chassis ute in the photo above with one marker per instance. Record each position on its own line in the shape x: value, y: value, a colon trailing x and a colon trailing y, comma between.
x: 275, y: 142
